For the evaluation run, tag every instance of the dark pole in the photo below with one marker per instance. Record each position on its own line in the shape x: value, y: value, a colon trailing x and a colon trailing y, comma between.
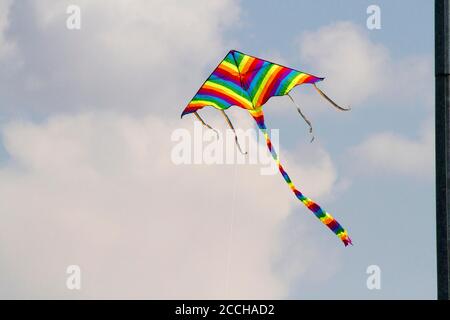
x: 442, y: 33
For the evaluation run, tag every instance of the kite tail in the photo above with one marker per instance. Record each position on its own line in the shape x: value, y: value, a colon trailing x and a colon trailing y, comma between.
x: 321, y: 214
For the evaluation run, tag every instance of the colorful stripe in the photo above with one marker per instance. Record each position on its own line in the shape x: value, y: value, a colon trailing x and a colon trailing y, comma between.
x: 321, y: 214
x: 248, y: 82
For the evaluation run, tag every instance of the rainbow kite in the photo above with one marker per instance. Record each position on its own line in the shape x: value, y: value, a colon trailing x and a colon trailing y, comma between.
x: 248, y: 82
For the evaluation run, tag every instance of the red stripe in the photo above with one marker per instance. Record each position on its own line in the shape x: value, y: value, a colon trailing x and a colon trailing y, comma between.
x: 333, y: 225
x: 275, y: 85
x: 250, y: 72
x: 217, y: 93
x: 225, y: 74
x: 267, y: 92
x: 190, y: 109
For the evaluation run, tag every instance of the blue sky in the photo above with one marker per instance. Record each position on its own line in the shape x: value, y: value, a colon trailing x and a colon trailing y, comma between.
x: 86, y: 122
x: 387, y: 211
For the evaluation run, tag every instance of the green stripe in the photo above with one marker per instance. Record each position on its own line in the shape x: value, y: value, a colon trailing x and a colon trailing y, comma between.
x: 287, y: 81
x: 238, y: 90
x: 229, y: 58
x: 261, y: 76
x: 256, y: 83
x: 238, y: 56
x: 216, y: 100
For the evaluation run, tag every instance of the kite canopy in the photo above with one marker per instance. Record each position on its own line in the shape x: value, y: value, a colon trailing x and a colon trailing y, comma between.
x: 247, y: 82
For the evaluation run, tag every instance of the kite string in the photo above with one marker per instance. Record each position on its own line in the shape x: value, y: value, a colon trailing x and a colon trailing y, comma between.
x: 303, y: 116
x: 334, y: 104
x: 230, y: 234
x: 205, y: 124
x: 321, y: 214
x: 234, y: 131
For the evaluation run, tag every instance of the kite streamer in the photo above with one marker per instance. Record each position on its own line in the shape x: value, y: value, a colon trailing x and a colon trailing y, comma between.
x: 249, y: 82
x: 322, y: 215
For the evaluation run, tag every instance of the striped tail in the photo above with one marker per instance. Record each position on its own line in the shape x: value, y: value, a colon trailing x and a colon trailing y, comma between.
x: 324, y: 216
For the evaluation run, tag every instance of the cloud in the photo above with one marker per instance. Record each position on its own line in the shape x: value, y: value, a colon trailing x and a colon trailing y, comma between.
x: 347, y: 58
x: 389, y: 152
x: 358, y: 69
x: 99, y: 190
x: 131, y: 57
x: 360, y: 72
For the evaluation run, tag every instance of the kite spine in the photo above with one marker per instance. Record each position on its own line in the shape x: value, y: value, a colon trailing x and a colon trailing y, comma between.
x: 321, y: 214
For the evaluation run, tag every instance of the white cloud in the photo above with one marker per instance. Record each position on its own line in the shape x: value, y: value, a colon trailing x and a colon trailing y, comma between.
x: 99, y: 190
x: 360, y: 71
x: 348, y: 59
x: 389, y: 152
x: 357, y: 68
x: 136, y: 57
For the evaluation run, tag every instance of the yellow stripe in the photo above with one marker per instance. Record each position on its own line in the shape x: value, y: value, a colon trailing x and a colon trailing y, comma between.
x: 343, y: 234
x: 327, y: 218
x: 246, y: 103
x: 272, y: 77
x: 231, y: 66
x: 297, y: 80
x: 228, y: 69
x: 263, y: 84
x: 204, y: 103
x: 256, y: 112
x: 245, y: 63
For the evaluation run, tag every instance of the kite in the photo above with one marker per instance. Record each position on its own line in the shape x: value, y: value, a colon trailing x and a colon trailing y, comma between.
x: 249, y: 82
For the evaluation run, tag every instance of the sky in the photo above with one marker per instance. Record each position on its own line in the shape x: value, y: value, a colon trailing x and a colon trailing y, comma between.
x: 87, y: 177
